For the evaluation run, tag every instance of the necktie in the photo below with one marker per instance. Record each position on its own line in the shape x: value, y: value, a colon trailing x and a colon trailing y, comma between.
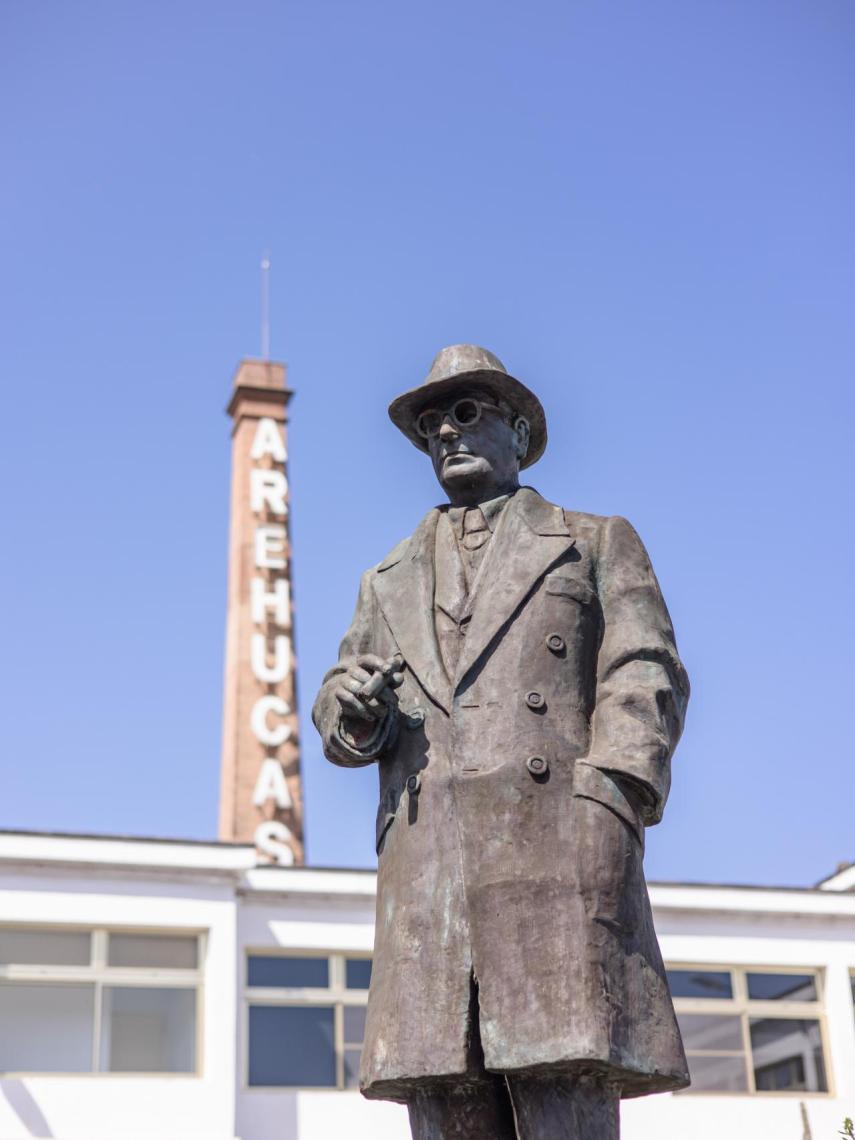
x: 474, y: 534
x: 475, y: 529
x: 450, y: 594
x: 462, y: 536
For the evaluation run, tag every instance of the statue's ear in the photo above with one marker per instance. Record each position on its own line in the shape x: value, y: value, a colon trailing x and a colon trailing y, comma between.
x: 522, y: 431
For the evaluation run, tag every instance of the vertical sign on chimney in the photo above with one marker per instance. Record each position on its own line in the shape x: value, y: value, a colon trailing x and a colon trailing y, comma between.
x: 261, y: 799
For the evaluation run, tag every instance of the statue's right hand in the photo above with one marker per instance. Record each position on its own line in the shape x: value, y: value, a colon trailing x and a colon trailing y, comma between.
x: 352, y: 681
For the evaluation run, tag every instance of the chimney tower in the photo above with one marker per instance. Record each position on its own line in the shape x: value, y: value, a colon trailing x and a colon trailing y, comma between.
x: 261, y: 795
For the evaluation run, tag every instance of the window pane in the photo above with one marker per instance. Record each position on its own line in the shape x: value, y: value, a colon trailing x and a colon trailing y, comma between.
x: 700, y: 983
x: 787, y: 1054
x: 147, y: 1030
x: 354, y: 1024
x: 357, y: 973
x: 154, y: 951
x: 709, y: 1031
x: 717, y: 1074
x: 782, y: 987
x: 291, y: 1045
x: 351, y: 1068
x: 46, y: 1028
x: 291, y: 973
x: 45, y: 947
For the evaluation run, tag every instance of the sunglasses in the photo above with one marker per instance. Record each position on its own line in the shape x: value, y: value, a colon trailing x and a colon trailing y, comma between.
x: 464, y: 414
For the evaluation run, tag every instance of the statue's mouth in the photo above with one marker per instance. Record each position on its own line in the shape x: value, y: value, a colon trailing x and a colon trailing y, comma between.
x: 461, y: 453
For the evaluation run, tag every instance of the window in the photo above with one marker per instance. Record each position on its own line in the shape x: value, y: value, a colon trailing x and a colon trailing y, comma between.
x: 306, y: 1019
x: 750, y: 1030
x: 98, y: 1001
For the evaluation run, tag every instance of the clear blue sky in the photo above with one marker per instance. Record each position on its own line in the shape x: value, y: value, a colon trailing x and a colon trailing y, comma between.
x: 645, y: 209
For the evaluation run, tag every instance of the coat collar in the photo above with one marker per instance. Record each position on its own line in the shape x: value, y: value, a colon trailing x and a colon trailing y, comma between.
x: 532, y: 535
x: 404, y: 585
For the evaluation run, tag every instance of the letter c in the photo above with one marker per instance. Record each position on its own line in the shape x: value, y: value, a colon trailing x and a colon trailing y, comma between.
x: 272, y: 737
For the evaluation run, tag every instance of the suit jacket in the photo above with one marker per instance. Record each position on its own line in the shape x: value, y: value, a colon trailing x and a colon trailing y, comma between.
x: 509, y: 848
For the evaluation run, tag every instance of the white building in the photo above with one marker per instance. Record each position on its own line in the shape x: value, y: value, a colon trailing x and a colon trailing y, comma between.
x: 179, y: 991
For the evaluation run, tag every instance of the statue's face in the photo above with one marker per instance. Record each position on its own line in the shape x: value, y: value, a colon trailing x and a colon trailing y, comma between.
x: 477, y: 461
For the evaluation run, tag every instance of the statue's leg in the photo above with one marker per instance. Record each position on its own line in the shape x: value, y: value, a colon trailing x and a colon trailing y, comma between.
x: 478, y: 1111
x: 559, y: 1109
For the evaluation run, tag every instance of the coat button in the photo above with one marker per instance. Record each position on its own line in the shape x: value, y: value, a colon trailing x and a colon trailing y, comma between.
x: 414, y: 784
x: 535, y: 700
x: 537, y: 765
x: 415, y: 717
x: 556, y: 643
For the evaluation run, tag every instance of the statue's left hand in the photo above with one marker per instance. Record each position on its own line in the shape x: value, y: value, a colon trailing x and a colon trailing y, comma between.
x: 353, y: 708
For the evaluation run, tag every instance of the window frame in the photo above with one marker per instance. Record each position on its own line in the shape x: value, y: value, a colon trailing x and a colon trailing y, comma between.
x: 336, y: 995
x: 746, y: 1008
x: 98, y: 973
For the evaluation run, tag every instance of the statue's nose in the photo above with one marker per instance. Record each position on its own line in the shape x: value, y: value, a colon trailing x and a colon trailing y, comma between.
x: 448, y: 430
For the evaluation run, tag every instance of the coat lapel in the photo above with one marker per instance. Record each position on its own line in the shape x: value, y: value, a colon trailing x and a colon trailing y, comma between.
x: 405, y: 589
x: 532, y: 535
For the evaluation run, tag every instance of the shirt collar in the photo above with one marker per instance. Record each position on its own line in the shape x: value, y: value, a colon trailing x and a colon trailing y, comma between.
x: 491, y: 510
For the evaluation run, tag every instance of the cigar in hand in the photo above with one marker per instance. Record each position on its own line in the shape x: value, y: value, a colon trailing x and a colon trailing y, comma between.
x: 379, y: 680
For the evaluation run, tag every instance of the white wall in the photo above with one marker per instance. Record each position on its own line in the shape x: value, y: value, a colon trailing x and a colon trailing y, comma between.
x: 116, y: 1107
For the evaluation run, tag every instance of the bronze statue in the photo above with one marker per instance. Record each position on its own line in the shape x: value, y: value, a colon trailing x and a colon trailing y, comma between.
x: 511, y: 668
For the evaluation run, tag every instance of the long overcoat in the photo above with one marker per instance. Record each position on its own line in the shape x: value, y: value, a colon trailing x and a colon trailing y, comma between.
x: 509, y: 851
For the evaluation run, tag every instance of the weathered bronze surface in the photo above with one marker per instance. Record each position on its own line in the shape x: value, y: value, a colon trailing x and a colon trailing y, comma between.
x: 523, y: 741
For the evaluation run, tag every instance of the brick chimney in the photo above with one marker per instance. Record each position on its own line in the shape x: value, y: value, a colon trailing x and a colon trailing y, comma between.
x: 261, y: 795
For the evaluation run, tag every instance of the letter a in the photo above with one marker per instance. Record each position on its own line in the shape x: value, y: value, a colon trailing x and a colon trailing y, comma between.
x: 268, y: 441
x: 271, y: 785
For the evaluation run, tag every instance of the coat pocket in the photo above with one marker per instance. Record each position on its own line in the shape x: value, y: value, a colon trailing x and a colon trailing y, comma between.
x: 595, y: 784
x: 390, y: 803
x: 567, y: 586
x: 385, y: 819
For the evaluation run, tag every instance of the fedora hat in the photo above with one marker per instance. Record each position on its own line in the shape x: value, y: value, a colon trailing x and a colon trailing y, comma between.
x: 466, y: 366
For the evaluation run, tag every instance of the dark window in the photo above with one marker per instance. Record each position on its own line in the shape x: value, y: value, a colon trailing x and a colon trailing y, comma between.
x: 357, y: 973
x: 782, y: 987
x: 700, y: 983
x: 292, y: 1046
x: 746, y: 1045
x: 313, y: 1035
x: 789, y: 1074
x: 787, y: 1054
x: 288, y: 973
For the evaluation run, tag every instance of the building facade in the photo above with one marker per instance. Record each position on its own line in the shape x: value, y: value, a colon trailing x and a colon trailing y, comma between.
x: 159, y: 990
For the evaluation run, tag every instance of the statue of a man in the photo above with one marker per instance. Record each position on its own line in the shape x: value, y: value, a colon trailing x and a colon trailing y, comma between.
x: 512, y: 670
